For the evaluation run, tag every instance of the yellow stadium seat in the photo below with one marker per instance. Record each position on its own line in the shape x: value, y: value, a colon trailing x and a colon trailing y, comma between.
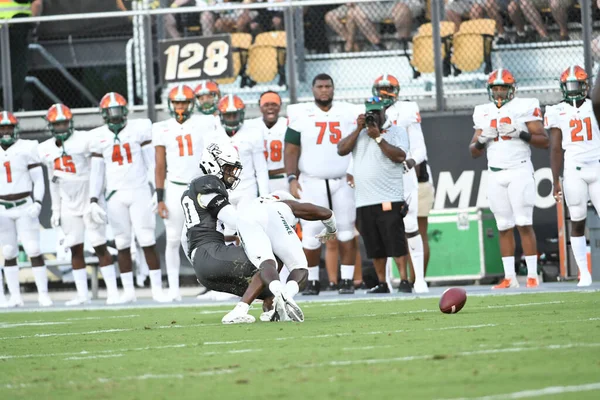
x: 446, y: 29
x: 240, y: 43
x: 241, y: 40
x: 482, y: 26
x: 422, y: 58
x: 237, y: 66
x: 468, y: 53
x: 262, y: 63
x: 275, y: 39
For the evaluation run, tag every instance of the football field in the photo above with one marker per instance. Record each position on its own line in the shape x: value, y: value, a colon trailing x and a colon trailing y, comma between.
x: 526, y: 345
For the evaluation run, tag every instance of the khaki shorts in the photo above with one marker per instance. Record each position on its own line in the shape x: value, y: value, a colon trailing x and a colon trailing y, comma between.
x: 377, y: 12
x: 426, y: 196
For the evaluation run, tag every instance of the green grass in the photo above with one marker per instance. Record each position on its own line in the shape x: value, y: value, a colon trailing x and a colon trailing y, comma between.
x: 350, y: 350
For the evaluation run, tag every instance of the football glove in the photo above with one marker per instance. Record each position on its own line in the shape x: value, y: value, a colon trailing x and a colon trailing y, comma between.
x: 326, y: 235
x: 487, y: 135
x: 96, y: 214
x: 508, y: 130
x: 34, y: 209
x: 55, y: 219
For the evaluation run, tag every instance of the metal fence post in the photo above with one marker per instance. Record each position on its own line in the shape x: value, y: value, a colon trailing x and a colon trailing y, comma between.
x: 292, y: 80
x: 586, y: 23
x: 149, y: 70
x: 5, y: 65
x: 437, y: 54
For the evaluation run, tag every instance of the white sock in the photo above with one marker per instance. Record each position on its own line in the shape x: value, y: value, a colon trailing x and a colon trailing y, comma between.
x: 415, y: 247
x: 531, y: 262
x: 347, y: 272
x: 243, y: 306
x: 509, y: 267
x: 12, y: 281
x: 155, y: 280
x: 80, y: 276
x: 313, y: 273
x: 284, y: 274
x: 579, y: 247
x: 41, y: 278
x: 110, y: 280
x: 275, y: 287
x: 127, y: 281
x: 173, y: 262
x: 292, y: 288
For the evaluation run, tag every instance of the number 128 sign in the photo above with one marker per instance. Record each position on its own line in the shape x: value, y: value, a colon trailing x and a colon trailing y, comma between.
x: 196, y: 58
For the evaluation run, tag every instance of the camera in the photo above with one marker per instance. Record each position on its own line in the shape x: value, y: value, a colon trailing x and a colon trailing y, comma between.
x: 370, y: 117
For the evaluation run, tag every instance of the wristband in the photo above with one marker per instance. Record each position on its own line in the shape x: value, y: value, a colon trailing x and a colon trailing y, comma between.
x: 160, y: 195
x: 479, y: 145
x: 526, y: 136
x: 291, y: 177
x: 330, y: 223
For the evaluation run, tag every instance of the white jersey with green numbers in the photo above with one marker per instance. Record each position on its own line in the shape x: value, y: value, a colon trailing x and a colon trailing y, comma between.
x: 318, y: 132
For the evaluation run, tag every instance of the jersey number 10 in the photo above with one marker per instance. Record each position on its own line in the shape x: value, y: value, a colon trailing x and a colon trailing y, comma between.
x: 335, y: 134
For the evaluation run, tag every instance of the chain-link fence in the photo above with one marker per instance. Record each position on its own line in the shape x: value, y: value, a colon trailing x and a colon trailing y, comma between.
x: 252, y: 46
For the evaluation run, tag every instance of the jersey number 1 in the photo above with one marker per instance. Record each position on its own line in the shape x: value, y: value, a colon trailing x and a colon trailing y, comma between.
x: 118, y: 157
x: 577, y: 126
x: 8, y: 172
x: 335, y: 134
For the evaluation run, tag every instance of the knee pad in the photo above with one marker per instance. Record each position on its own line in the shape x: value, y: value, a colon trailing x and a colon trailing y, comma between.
x: 411, y: 223
x: 504, y: 224
x: 310, y: 242
x: 345, y: 235
x: 32, y: 248
x: 9, y: 252
x: 146, y: 237
x: 123, y: 241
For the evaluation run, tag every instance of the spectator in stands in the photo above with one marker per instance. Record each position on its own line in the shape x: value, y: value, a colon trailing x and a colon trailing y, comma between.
x: 361, y: 16
x: 559, y: 10
x: 534, y: 17
x: 314, y: 27
x: 171, y: 19
x: 496, y: 9
x: 457, y: 10
x: 403, y: 14
x: 267, y: 19
x: 18, y: 39
x: 225, y: 21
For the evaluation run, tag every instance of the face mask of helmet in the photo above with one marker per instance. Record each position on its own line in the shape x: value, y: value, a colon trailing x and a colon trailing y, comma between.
x: 232, y: 121
x: 207, y: 103
x: 501, y: 94
x: 8, y: 134
x: 61, y: 130
x: 574, y: 90
x: 115, y: 117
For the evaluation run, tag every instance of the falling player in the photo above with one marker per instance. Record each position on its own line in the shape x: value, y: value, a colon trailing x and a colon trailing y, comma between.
x: 505, y: 129
x: 406, y: 114
x: 20, y: 206
x: 122, y: 155
x: 317, y: 174
x: 574, y: 129
x: 248, y: 141
x: 67, y: 157
x: 179, y: 142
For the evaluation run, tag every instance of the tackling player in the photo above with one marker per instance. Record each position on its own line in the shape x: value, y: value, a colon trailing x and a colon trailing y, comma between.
x: 122, y: 156
x: 67, y: 157
x: 574, y: 129
x: 179, y: 142
x: 505, y: 129
x: 406, y: 114
x: 21, y: 194
x: 317, y: 174
x: 248, y: 141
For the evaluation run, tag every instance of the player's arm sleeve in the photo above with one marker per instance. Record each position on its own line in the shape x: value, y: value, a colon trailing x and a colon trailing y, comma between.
x: 54, y: 187
x: 292, y: 136
x: 157, y: 136
x: 96, y: 177
x: 37, y: 177
x: 477, y: 120
x: 260, y: 167
x: 550, y: 118
x: 228, y: 215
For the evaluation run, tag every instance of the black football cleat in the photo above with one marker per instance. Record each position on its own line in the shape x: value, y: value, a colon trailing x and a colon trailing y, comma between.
x: 313, y: 288
x: 380, y: 288
x: 405, y: 287
x: 346, y: 286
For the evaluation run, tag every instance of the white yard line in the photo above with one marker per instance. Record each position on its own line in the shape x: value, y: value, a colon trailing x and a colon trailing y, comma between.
x: 45, y: 335
x: 102, y: 318
x: 8, y: 325
x: 547, y: 391
x: 93, y: 357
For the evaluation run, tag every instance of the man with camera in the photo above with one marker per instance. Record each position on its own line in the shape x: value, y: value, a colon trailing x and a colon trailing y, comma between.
x: 378, y: 155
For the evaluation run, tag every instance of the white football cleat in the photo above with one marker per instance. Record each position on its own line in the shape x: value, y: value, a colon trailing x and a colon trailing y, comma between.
x: 127, y: 297
x: 44, y: 300
x: 112, y: 300
x: 585, y: 280
x: 161, y: 297
x: 266, y: 316
x: 175, y: 296
x: 238, y: 316
x: 77, y: 301
x: 421, y: 287
x: 279, y: 305
x: 292, y: 310
x: 15, y: 301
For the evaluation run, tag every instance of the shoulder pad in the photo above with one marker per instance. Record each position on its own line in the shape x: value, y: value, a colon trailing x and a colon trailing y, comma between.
x: 208, y: 184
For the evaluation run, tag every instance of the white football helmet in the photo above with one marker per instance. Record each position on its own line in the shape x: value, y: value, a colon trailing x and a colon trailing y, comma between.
x: 223, y: 161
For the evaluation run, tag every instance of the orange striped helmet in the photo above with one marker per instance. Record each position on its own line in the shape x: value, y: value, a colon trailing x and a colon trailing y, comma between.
x: 386, y: 87
x: 183, y: 95
x: 114, y: 110
x: 60, y: 121
x: 231, y: 110
x: 574, y: 83
x: 505, y: 84
x: 208, y: 95
x: 9, y: 128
